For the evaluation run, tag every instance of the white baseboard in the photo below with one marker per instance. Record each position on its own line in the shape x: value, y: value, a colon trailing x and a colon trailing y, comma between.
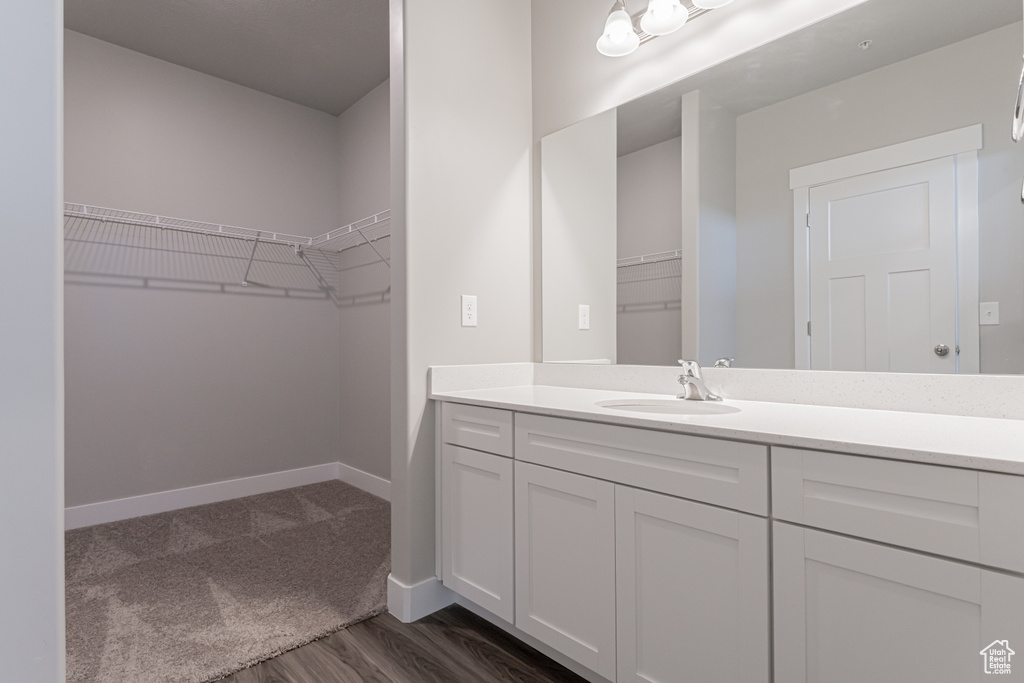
x: 176, y: 499
x: 412, y: 603
x: 370, y: 483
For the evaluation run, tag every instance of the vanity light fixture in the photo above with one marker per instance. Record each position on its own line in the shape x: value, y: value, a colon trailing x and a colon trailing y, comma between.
x: 663, y: 17
x: 619, y: 38
x: 624, y: 33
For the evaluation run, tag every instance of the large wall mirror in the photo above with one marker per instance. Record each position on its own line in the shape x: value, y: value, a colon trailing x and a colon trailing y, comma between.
x: 845, y: 198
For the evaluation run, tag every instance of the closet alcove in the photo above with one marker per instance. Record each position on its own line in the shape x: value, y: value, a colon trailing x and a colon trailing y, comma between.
x: 247, y: 336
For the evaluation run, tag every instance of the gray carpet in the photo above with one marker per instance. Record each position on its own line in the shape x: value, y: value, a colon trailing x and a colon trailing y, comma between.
x: 194, y: 595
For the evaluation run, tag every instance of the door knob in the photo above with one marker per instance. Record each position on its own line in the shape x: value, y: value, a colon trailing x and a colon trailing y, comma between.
x: 941, y: 350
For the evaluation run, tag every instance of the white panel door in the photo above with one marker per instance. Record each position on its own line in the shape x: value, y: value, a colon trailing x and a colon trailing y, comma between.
x: 565, y: 564
x: 692, y: 591
x: 476, y: 528
x: 883, y: 270
x: 849, y: 611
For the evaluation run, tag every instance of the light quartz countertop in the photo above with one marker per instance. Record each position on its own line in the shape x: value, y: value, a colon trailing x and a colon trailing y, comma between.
x: 991, y: 444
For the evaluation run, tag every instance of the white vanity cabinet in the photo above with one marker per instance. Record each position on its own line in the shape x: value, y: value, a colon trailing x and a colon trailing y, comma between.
x: 687, y: 576
x: 649, y: 555
x: 477, y: 506
x: 922, y: 607
x: 640, y: 586
x: 617, y: 565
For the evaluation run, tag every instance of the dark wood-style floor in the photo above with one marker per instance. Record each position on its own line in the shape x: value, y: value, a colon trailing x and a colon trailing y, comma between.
x: 449, y: 646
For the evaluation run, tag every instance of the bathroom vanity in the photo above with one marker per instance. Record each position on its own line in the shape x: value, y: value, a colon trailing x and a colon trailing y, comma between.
x: 655, y: 541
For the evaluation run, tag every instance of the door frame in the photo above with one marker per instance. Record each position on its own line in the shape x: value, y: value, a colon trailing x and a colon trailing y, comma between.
x: 963, y: 144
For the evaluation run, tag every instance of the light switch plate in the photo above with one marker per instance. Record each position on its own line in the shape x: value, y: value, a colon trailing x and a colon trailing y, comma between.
x: 584, y: 317
x: 469, y: 310
x: 989, y: 313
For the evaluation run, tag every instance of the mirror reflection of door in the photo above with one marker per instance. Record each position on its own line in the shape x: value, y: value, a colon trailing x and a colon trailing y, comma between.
x: 882, y: 264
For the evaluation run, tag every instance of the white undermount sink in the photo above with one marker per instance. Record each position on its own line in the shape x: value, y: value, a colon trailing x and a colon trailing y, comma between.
x: 669, y: 406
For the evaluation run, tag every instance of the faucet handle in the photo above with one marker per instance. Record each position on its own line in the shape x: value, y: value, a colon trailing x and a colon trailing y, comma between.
x: 694, y: 388
x: 724, y: 362
x: 691, y: 368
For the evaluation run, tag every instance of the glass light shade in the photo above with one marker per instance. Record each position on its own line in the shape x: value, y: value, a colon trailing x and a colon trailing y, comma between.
x: 619, y: 39
x: 663, y: 17
x: 710, y: 4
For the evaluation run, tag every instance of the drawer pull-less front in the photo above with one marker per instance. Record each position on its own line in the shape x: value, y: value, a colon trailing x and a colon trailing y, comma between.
x: 482, y: 429
x: 726, y: 473
x: 943, y: 510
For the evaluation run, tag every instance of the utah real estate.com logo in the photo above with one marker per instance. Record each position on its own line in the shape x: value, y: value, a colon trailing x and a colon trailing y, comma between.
x: 997, y: 657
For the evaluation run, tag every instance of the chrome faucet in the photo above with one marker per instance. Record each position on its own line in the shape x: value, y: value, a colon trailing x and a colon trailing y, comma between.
x: 692, y: 380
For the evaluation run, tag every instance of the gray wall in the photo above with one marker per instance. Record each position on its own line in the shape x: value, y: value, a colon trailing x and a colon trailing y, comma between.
x: 716, y: 244
x: 31, y: 339
x: 690, y: 201
x: 649, y: 220
x: 928, y: 94
x: 173, y: 388
x: 461, y: 141
x: 365, y: 324
x: 648, y: 200
x: 578, y: 198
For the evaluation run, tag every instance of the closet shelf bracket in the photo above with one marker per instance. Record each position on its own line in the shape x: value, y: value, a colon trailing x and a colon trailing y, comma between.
x: 255, y: 243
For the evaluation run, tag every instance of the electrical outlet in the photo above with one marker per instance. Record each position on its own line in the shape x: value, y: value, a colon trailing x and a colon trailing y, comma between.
x: 468, y: 310
x: 584, y: 317
x: 989, y: 313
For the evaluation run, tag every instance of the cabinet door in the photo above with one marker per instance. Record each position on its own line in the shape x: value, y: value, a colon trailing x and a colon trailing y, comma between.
x: 476, y: 522
x: 565, y: 564
x: 692, y: 591
x: 850, y: 611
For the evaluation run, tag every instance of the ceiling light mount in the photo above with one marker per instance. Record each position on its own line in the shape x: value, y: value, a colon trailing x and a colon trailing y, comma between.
x: 710, y: 4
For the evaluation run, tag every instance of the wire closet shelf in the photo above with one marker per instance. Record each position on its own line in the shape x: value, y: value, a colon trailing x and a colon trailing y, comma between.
x: 649, y: 281
x: 366, y: 230
x: 115, y: 243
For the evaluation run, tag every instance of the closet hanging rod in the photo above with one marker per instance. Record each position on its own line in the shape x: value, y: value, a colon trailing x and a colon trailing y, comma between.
x: 649, y: 258
x: 339, y: 239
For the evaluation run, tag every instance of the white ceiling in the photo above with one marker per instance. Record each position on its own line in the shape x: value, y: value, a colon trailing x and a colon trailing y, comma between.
x: 324, y: 54
x: 814, y: 57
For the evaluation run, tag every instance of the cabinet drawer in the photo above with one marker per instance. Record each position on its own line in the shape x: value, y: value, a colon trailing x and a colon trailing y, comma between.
x: 969, y: 515
x: 726, y: 473
x: 482, y: 429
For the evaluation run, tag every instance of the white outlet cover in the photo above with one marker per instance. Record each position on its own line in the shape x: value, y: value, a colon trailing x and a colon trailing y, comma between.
x: 989, y: 313
x: 584, y: 316
x: 469, y: 316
